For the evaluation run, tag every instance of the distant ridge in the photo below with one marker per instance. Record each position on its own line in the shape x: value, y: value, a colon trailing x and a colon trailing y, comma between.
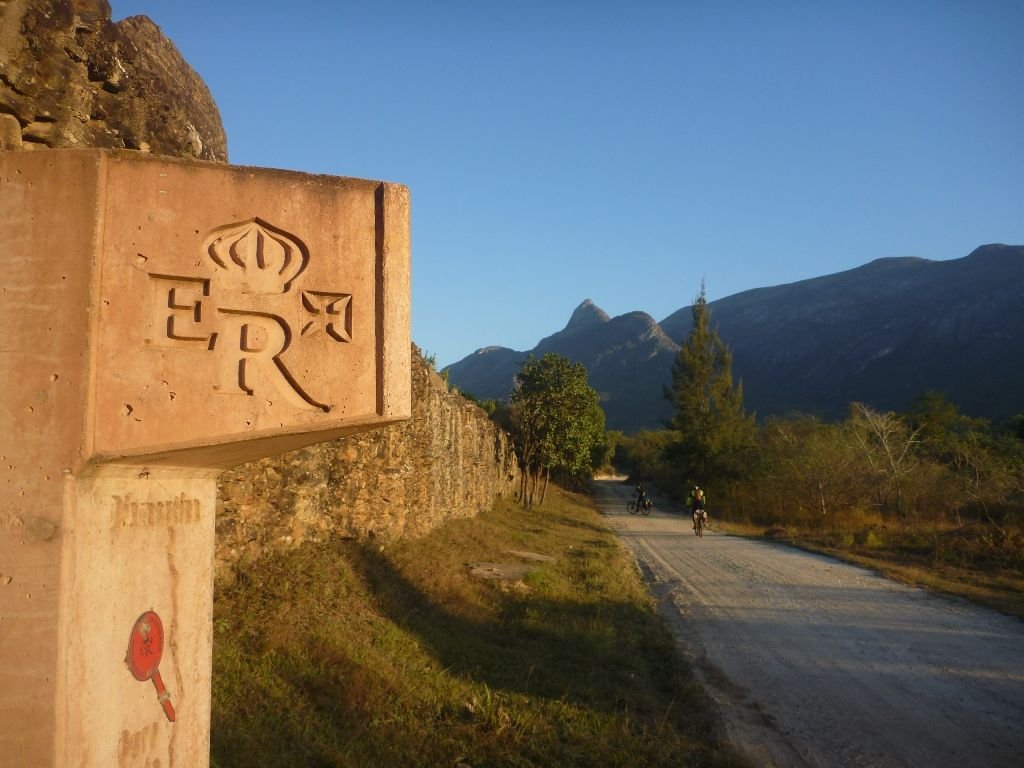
x: 881, y: 333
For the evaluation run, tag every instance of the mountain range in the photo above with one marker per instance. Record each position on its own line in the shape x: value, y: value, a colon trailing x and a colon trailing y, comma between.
x: 881, y: 334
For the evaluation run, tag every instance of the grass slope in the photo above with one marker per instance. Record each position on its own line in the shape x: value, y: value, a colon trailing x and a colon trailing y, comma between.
x: 354, y: 654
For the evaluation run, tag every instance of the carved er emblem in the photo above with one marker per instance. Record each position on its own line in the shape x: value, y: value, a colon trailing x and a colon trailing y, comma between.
x: 247, y: 312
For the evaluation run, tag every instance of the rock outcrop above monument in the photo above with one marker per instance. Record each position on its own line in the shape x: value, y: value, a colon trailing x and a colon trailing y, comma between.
x: 71, y: 77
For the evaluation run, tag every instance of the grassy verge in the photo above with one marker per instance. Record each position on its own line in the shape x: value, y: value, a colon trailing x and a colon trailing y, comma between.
x: 348, y: 654
x: 963, y: 563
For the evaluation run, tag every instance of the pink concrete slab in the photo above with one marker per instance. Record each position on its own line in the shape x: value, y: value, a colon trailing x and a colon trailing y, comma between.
x: 241, y: 304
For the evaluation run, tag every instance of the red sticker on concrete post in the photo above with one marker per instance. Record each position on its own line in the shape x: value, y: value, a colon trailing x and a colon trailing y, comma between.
x: 145, y: 649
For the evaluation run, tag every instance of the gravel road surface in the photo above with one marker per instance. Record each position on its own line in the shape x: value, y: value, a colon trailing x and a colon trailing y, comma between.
x: 817, y: 663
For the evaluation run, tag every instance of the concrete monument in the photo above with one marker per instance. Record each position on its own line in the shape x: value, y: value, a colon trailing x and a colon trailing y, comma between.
x: 162, y: 320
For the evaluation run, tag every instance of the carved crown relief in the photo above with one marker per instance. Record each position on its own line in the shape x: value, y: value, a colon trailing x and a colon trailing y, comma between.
x: 256, y: 257
x: 244, y: 313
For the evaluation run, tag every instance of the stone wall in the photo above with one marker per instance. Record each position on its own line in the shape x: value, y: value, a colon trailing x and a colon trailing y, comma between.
x: 448, y: 461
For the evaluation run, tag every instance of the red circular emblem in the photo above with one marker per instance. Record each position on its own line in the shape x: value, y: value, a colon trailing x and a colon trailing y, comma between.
x: 145, y: 649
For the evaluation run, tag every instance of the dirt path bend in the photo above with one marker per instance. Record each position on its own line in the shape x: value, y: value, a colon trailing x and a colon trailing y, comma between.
x: 819, y: 663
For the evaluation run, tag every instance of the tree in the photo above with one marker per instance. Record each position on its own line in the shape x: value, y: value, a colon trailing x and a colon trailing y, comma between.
x: 603, y: 453
x: 644, y: 456
x: 1015, y: 426
x: 888, y: 443
x: 557, y: 420
x: 811, y: 471
x: 715, y: 432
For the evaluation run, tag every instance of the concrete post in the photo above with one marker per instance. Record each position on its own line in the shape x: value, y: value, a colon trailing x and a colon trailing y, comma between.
x: 163, y: 320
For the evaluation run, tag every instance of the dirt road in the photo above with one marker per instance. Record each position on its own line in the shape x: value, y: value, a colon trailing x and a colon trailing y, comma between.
x: 818, y: 663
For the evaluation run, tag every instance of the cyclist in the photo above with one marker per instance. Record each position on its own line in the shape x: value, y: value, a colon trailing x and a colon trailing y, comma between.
x: 696, y: 501
x: 641, y: 495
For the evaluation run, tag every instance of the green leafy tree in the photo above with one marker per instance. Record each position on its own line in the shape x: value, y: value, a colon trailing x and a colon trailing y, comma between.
x: 941, y: 426
x: 811, y: 472
x: 557, y: 421
x: 715, y: 433
x: 603, y: 453
x: 643, y: 455
x: 1015, y: 426
x: 985, y: 463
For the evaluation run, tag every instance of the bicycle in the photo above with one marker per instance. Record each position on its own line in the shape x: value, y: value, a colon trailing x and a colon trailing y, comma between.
x: 700, y: 522
x: 643, y: 507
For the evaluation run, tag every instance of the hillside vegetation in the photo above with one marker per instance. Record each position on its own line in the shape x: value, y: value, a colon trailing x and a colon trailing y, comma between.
x: 931, y: 495
x: 355, y: 654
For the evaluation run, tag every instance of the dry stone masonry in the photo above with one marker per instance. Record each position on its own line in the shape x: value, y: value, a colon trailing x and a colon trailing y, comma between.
x: 448, y: 461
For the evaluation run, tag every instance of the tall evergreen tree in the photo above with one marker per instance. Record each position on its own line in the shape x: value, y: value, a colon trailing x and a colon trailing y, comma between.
x: 714, y: 431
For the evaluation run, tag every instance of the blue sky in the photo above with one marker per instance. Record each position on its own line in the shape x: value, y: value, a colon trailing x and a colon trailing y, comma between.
x: 625, y: 151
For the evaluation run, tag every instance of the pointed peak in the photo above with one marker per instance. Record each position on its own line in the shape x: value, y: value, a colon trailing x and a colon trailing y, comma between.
x: 587, y: 313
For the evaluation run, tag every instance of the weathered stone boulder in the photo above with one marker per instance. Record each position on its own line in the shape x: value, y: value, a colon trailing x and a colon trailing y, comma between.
x: 70, y: 77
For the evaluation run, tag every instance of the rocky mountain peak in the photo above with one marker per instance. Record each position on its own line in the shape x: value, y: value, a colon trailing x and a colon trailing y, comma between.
x: 587, y: 313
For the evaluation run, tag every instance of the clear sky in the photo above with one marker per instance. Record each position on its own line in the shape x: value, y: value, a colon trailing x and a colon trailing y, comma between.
x: 623, y: 151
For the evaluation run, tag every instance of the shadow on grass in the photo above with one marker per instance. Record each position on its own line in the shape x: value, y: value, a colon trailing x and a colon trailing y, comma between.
x: 590, y: 653
x: 331, y: 656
